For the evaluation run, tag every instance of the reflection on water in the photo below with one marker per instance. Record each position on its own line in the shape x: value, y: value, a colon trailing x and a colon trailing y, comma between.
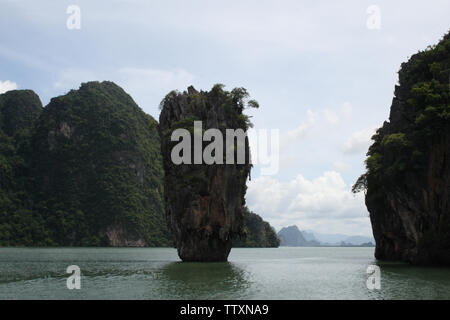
x: 157, y: 273
x: 401, y: 280
x: 220, y: 280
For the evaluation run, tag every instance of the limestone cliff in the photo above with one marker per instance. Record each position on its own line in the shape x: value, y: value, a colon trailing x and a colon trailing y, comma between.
x: 408, y: 166
x: 204, y: 202
x: 97, y: 170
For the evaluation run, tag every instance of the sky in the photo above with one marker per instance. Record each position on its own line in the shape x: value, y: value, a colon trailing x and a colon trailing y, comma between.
x: 323, y: 73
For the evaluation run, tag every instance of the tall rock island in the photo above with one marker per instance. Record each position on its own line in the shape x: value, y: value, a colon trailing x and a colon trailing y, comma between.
x: 407, y: 182
x: 204, y: 202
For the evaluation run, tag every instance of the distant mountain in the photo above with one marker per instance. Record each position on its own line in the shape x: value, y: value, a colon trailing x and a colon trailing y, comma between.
x: 293, y: 237
x: 337, y: 239
x: 309, y: 236
x: 359, y: 240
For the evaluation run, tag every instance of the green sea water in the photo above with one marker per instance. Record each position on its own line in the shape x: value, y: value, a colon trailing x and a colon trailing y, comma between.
x: 157, y: 273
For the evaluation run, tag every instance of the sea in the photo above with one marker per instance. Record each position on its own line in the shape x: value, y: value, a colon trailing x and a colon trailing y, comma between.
x: 251, y: 273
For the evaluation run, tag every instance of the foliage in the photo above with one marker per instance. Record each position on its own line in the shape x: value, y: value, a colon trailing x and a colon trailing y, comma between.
x: 424, y: 91
x: 257, y: 232
x: 89, y: 161
x: 94, y: 165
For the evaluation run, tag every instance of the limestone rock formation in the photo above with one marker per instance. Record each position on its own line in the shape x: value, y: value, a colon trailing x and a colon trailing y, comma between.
x: 19, y: 109
x: 408, y: 166
x: 204, y: 202
x: 292, y: 237
x: 97, y: 170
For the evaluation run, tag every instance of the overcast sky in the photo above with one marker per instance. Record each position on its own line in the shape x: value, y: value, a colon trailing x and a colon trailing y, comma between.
x: 323, y: 73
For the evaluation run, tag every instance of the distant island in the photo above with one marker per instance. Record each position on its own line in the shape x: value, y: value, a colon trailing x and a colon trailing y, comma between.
x: 292, y: 237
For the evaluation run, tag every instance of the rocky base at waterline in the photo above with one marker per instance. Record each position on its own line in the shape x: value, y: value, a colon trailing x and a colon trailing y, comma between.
x: 204, y: 202
x: 407, y: 181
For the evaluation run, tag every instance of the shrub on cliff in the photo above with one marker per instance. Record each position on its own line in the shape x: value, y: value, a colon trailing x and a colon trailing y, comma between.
x: 407, y: 177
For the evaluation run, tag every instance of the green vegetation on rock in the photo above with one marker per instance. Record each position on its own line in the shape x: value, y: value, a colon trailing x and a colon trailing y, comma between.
x: 257, y: 232
x: 86, y: 170
x: 94, y: 174
x: 407, y: 177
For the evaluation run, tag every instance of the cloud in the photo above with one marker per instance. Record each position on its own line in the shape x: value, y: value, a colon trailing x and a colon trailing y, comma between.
x: 335, y: 116
x: 346, y: 109
x: 146, y: 85
x: 341, y: 167
x: 298, y: 133
x: 31, y: 60
x: 72, y: 78
x: 324, y: 204
x: 143, y: 80
x: 7, y: 86
x: 359, y: 141
x: 331, y: 116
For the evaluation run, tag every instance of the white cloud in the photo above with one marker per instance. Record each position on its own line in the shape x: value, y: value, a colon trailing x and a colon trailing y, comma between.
x: 7, y: 86
x: 335, y: 116
x: 165, y: 78
x: 346, y: 109
x: 341, y: 167
x: 141, y: 81
x: 147, y: 86
x: 72, y: 78
x: 298, y: 133
x: 324, y: 204
x: 331, y: 116
x: 359, y: 141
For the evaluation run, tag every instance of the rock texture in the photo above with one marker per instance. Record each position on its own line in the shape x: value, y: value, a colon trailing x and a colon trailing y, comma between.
x: 98, y: 169
x: 86, y: 170
x: 408, y: 166
x: 19, y: 109
x: 204, y: 202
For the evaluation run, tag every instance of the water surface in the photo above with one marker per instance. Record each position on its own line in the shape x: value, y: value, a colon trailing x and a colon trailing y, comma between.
x: 157, y: 273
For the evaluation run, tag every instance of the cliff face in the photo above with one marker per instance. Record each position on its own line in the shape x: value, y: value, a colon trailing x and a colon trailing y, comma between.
x: 86, y: 170
x: 204, y: 202
x: 19, y: 110
x: 408, y: 166
x: 98, y: 169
